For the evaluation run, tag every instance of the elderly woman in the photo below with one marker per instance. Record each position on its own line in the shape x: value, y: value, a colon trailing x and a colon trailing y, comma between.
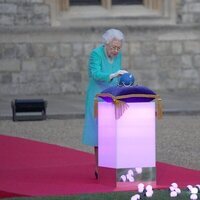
x: 104, y: 68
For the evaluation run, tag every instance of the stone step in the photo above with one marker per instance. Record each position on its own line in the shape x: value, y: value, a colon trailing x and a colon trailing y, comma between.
x: 115, y: 11
x: 113, y: 22
x: 80, y: 16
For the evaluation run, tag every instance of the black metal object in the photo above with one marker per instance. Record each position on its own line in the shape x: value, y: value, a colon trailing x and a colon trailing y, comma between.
x: 84, y: 2
x: 126, y: 2
x: 28, y: 109
x: 98, y: 2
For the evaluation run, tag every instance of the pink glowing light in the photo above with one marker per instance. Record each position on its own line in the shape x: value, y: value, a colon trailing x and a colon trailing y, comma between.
x: 128, y: 141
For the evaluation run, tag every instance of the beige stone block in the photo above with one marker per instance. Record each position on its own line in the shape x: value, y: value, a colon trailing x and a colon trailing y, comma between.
x: 29, y: 65
x: 12, y: 65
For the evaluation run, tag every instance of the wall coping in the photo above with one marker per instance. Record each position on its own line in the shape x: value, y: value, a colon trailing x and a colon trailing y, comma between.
x: 93, y: 34
x: 31, y: 29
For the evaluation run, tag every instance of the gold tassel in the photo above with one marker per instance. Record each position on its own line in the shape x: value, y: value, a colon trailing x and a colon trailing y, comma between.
x: 96, y: 107
x: 159, y: 108
x: 120, y: 107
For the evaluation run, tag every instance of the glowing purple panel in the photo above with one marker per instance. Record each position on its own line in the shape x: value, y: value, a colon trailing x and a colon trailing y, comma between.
x: 130, y: 140
x: 107, y: 134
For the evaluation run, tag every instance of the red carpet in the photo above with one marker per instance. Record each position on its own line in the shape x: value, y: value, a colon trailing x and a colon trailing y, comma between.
x: 30, y: 168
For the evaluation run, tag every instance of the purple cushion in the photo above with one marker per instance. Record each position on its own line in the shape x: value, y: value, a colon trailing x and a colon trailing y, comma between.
x: 119, y: 91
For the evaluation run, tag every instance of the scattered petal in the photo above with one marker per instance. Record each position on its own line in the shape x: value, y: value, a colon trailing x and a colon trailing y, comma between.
x: 173, y: 194
x: 140, y: 187
x: 175, y: 185
x: 135, y: 197
x: 140, y: 190
x: 189, y: 187
x: 194, y: 190
x: 198, y: 186
x: 171, y: 188
x: 130, y: 171
x: 123, y: 178
x: 193, y: 197
x: 149, y: 193
x: 178, y: 190
x: 138, y: 170
x: 149, y: 187
x: 130, y: 178
x: 138, y: 196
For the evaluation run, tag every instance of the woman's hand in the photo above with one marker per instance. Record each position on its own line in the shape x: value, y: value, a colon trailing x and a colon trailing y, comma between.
x: 121, y: 72
x: 118, y: 73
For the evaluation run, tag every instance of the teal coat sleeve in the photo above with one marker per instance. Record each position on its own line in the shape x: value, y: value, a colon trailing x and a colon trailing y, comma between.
x: 95, y: 70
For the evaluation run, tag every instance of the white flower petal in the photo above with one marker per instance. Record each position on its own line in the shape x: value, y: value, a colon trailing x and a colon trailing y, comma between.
x: 175, y: 185
x: 149, y: 187
x: 173, y: 194
x: 193, y: 197
x: 194, y: 190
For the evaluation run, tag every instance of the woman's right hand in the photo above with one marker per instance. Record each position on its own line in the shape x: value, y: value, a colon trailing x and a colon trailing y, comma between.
x: 118, y: 73
x: 121, y: 72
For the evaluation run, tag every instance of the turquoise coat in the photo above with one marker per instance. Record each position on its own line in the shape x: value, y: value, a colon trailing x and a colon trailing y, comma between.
x: 99, y: 69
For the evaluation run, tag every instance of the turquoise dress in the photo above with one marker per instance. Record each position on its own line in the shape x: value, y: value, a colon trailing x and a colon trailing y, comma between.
x: 99, y: 69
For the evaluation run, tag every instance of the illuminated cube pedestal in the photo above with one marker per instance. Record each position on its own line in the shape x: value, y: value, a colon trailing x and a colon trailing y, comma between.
x: 127, y: 147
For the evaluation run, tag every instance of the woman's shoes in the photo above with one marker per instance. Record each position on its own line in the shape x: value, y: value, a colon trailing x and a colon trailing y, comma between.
x: 96, y: 175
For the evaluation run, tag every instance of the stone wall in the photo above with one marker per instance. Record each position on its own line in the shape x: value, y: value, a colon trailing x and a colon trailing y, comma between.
x: 54, y: 61
x: 37, y: 12
x: 189, y: 11
x: 24, y: 13
x: 37, y: 59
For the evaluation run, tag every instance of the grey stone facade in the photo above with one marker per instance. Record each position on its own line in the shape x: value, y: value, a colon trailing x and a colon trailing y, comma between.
x: 37, y: 59
x: 189, y: 11
x: 24, y: 13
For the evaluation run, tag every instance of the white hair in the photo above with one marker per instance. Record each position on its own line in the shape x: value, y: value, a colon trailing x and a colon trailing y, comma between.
x: 111, y: 34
